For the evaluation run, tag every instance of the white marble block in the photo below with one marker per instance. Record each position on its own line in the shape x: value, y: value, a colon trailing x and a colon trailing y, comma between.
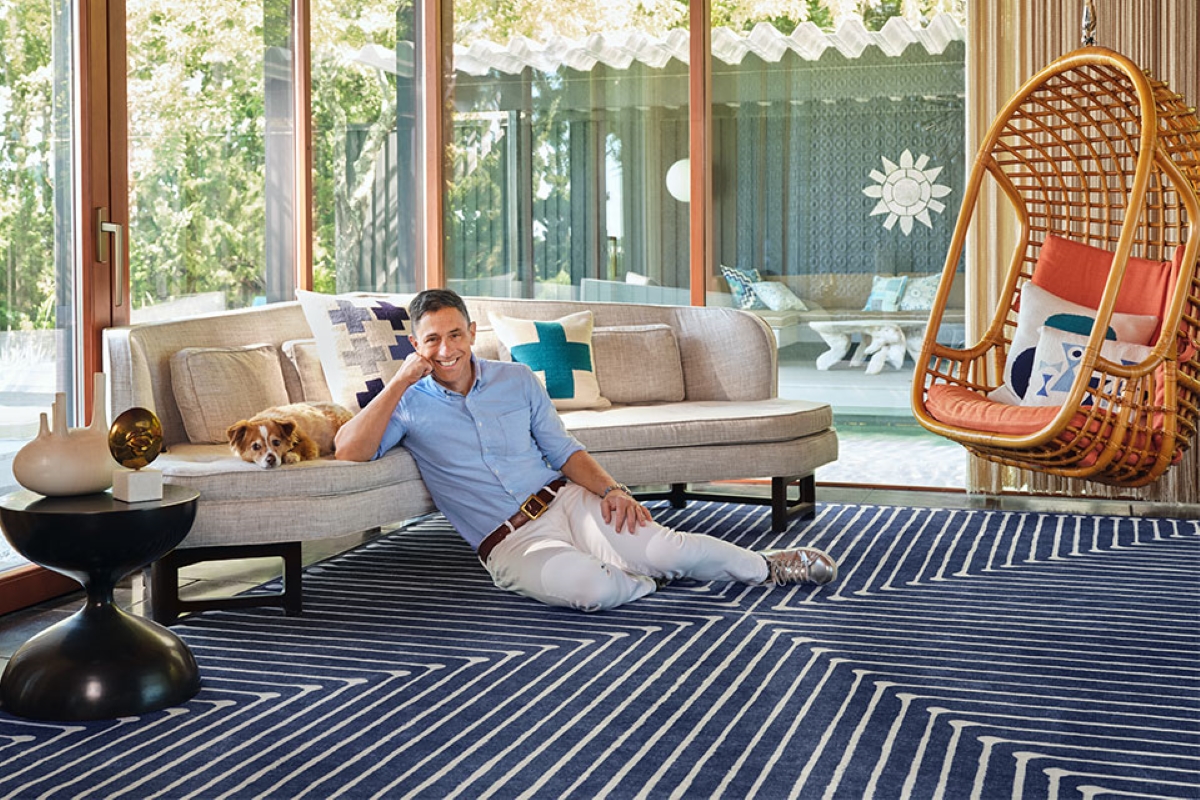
x: 137, y: 485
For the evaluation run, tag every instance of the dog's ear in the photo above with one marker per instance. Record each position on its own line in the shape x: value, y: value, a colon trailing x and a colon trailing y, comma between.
x: 287, y: 427
x: 237, y: 431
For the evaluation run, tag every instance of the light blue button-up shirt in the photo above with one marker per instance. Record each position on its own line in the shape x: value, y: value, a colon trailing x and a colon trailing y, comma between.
x: 481, y: 454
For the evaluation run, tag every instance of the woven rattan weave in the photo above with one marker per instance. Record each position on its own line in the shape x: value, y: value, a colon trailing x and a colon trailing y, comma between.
x: 1094, y: 150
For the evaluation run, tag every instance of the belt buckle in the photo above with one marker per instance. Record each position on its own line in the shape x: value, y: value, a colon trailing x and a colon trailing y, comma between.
x: 532, y: 515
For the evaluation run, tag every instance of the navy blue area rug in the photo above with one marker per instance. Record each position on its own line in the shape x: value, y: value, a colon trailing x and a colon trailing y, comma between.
x: 961, y: 654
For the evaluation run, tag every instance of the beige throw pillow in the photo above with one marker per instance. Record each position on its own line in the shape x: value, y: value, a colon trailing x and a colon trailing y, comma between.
x: 217, y: 386
x: 638, y: 364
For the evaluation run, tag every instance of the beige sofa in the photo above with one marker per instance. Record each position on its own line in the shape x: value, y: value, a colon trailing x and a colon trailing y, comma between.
x: 729, y: 424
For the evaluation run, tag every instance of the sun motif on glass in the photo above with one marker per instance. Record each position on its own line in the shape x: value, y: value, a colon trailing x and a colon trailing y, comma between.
x: 907, y: 191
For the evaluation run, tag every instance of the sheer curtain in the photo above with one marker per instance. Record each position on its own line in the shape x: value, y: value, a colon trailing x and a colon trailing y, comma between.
x: 1010, y: 41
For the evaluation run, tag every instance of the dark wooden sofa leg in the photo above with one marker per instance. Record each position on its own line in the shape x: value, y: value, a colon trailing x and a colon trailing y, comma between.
x: 166, y: 606
x: 782, y: 509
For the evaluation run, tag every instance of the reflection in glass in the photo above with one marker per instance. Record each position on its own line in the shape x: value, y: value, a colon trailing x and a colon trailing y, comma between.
x: 37, y: 225
x: 366, y: 178
x: 210, y: 156
x: 561, y: 145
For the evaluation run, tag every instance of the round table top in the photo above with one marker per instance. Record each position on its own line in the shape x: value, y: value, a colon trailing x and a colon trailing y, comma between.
x: 95, y: 503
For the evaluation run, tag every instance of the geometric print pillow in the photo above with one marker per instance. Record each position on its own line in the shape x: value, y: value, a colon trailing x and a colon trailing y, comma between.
x: 741, y: 286
x: 1040, y: 308
x: 1056, y: 366
x: 560, y: 354
x: 362, y: 341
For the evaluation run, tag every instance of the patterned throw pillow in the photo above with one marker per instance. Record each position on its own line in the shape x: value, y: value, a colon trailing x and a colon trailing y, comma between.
x: 741, y: 285
x: 1041, y: 308
x: 1056, y: 364
x: 919, y: 293
x: 777, y: 296
x: 885, y: 293
x: 559, y: 352
x: 362, y: 340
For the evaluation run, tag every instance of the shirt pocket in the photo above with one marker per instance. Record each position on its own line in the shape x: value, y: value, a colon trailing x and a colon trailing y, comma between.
x: 515, y: 437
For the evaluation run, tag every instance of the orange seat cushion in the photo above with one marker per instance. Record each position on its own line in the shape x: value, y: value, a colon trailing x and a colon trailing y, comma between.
x: 1078, y: 272
x: 969, y: 410
x: 963, y: 408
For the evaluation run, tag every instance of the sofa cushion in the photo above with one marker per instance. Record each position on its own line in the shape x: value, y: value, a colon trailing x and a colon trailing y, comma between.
x: 638, y: 364
x: 221, y: 476
x: 559, y: 351
x: 215, y: 387
x: 362, y: 340
x: 306, y: 361
x: 697, y: 423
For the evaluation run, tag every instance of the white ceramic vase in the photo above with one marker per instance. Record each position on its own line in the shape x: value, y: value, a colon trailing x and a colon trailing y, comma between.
x: 62, y: 462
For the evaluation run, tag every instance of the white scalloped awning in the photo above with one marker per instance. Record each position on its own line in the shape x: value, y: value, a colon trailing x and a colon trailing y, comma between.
x: 620, y: 49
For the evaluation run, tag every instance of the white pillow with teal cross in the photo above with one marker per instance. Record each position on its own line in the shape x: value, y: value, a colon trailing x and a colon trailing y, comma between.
x: 559, y: 352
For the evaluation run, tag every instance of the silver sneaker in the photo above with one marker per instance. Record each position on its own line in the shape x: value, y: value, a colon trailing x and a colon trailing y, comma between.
x: 799, y: 565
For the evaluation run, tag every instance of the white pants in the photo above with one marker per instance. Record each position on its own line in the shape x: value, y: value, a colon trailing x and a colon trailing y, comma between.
x: 569, y: 556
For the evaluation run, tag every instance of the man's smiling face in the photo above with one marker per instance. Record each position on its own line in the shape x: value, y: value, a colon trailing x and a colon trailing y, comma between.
x: 444, y: 337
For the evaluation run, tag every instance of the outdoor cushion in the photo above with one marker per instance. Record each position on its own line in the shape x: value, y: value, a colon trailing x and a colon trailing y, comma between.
x: 215, y: 387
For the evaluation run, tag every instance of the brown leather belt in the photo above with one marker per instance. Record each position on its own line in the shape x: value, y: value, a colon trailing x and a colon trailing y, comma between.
x: 531, y: 509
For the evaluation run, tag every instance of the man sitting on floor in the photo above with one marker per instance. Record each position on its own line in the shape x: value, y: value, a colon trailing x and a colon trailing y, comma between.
x: 546, y: 519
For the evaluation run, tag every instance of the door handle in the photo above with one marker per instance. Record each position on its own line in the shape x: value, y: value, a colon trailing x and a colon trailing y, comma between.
x: 103, y: 228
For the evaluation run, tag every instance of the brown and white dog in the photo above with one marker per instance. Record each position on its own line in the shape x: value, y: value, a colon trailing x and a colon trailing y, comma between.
x: 287, y: 434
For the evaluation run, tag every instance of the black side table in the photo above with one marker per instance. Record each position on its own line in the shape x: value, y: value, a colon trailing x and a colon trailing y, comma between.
x: 101, y: 662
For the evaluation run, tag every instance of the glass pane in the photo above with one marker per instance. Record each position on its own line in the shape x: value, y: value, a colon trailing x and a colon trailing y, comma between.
x: 210, y: 156
x: 839, y: 167
x: 37, y: 225
x: 561, y: 144
x: 366, y: 177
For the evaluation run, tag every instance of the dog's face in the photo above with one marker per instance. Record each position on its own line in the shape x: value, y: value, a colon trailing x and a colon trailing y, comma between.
x: 263, y: 442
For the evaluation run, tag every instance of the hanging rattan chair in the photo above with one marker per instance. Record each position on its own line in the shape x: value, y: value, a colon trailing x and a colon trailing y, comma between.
x: 1095, y: 153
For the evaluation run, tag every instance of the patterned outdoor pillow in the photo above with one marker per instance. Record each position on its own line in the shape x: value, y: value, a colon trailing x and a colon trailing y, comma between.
x: 362, y: 340
x: 741, y: 285
x: 885, y: 293
x: 919, y: 293
x: 1056, y: 362
x: 559, y: 352
x: 778, y: 296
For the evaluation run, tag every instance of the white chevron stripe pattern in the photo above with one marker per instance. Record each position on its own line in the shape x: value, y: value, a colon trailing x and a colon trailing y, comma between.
x: 961, y: 654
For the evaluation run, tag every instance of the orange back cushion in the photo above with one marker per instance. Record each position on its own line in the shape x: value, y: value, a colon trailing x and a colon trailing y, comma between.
x: 1078, y: 272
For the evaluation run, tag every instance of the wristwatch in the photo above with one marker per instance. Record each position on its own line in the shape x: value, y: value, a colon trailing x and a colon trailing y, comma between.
x: 620, y: 487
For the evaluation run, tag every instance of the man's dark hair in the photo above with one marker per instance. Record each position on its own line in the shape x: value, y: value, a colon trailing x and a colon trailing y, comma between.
x: 435, y: 300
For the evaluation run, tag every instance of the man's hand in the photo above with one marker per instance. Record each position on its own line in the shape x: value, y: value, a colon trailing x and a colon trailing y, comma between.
x: 415, y: 367
x: 621, y: 510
